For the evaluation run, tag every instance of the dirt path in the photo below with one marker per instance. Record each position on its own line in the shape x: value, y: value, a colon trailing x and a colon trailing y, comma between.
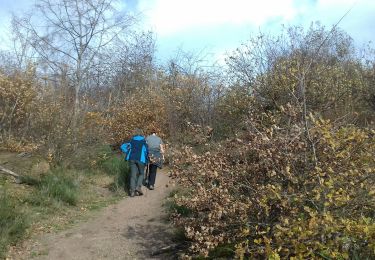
x: 131, y: 229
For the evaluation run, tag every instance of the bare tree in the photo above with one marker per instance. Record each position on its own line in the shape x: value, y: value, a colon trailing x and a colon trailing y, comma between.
x: 68, y: 35
x: 134, y: 63
x: 191, y: 88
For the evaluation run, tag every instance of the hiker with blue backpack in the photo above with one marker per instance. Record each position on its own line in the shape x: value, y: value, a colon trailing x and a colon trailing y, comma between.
x: 136, y: 153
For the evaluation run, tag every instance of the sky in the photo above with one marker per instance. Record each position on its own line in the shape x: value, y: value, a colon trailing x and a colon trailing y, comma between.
x: 215, y: 27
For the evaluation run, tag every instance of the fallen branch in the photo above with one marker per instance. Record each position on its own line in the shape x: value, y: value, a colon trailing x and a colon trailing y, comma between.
x: 166, y: 249
x: 9, y: 172
x: 20, y: 179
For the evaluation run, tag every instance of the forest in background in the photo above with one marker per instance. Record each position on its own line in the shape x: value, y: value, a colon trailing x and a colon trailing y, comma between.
x: 275, y: 148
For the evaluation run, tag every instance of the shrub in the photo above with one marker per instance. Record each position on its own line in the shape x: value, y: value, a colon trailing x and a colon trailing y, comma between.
x: 275, y: 193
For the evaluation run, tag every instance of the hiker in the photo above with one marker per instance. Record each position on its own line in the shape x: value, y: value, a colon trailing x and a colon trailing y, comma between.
x: 156, y: 157
x: 136, y: 152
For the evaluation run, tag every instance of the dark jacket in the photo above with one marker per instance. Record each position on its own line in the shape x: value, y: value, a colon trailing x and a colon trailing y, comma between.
x: 136, y: 149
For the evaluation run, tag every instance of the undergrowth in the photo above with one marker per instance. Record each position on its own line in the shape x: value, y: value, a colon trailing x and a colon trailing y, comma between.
x: 13, y: 223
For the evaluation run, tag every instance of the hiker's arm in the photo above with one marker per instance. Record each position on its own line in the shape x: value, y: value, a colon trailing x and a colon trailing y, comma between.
x: 125, y: 147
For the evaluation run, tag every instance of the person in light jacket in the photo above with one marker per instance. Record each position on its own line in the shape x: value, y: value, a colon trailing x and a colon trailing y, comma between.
x: 156, y: 157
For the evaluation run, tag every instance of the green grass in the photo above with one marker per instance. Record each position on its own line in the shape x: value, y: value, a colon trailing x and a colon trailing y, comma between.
x: 120, y: 170
x: 13, y: 223
x: 67, y: 192
x: 114, y: 165
x: 57, y: 186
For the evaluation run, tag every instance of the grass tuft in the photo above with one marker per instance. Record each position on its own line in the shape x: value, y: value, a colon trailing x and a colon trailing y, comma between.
x: 13, y: 223
x: 58, y: 186
x: 119, y: 169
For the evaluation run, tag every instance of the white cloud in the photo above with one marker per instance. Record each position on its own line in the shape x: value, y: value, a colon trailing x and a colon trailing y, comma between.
x: 221, y: 25
x: 170, y: 16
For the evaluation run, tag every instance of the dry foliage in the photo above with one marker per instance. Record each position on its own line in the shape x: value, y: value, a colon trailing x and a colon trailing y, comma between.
x: 17, y: 97
x: 264, y: 192
x: 143, y: 109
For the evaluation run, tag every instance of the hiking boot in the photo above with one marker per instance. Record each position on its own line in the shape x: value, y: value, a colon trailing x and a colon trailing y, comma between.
x: 132, y: 194
x: 151, y: 187
x: 139, y: 192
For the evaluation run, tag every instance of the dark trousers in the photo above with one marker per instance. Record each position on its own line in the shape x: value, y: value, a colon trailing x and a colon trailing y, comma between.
x: 152, y: 174
x: 137, y: 171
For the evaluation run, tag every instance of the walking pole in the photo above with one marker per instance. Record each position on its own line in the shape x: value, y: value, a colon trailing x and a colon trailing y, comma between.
x: 145, y: 181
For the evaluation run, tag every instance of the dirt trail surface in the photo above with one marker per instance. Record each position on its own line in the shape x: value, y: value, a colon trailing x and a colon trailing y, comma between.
x: 134, y: 228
